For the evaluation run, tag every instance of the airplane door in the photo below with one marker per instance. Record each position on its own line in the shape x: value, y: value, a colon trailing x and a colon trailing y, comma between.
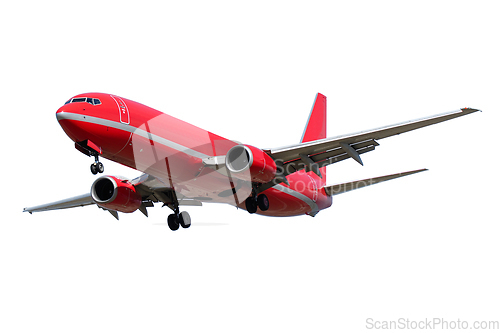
x: 122, y: 109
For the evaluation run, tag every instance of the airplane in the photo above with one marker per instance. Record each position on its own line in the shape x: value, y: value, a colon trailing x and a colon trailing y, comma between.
x: 184, y: 165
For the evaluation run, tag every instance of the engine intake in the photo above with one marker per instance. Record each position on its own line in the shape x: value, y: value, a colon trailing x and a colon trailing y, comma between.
x: 244, y: 158
x: 115, y: 194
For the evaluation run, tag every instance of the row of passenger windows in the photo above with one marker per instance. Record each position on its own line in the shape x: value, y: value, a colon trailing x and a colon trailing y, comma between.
x: 93, y: 101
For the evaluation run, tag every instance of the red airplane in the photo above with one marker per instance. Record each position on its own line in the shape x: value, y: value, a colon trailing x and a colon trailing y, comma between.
x: 186, y: 165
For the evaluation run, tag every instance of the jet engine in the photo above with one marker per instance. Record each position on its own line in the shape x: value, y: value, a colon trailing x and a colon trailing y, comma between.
x: 115, y: 194
x: 260, y: 166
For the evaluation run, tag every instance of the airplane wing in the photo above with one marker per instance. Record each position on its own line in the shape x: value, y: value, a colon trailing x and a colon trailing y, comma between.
x: 150, y: 189
x: 324, y: 152
x: 78, y: 201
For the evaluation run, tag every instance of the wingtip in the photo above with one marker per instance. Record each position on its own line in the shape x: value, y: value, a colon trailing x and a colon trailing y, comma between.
x: 470, y: 110
x: 414, y: 171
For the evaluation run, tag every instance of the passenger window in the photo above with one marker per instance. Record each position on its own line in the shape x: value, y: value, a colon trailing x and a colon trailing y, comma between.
x: 97, y: 101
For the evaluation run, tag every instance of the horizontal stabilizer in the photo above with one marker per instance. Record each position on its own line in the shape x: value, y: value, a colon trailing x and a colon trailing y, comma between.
x: 346, y: 187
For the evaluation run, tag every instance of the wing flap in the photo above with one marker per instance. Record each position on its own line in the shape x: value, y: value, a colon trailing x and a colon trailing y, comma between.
x: 329, y: 157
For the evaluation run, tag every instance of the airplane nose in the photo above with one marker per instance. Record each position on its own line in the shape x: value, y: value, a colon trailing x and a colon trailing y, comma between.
x: 72, y: 128
x: 59, y: 113
x: 81, y: 124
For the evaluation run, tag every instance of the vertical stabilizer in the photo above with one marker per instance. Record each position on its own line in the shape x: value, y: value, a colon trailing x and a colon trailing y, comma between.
x: 316, y: 124
x: 316, y: 128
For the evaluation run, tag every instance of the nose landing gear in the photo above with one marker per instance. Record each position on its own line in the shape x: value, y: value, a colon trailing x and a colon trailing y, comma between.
x: 96, y: 167
x: 89, y: 148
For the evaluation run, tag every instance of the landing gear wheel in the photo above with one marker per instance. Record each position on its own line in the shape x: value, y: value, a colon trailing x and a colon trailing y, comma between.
x: 263, y: 202
x: 173, y: 222
x: 100, y: 167
x: 97, y: 166
x: 93, y: 168
x: 251, y: 205
x: 185, y: 220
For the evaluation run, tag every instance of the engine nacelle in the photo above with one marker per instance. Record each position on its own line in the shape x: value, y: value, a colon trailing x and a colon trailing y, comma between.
x: 257, y: 163
x: 115, y: 194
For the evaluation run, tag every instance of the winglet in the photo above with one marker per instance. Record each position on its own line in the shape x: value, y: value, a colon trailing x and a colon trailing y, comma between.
x: 470, y: 110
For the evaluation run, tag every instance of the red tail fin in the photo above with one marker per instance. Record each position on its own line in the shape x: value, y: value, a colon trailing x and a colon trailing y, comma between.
x: 316, y: 129
x: 316, y: 124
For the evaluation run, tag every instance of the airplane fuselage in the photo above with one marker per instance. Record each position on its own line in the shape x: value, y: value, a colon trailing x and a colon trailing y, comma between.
x: 175, y: 153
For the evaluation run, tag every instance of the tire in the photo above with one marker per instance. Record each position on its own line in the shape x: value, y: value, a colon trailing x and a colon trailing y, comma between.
x: 93, y: 168
x: 100, y: 167
x: 173, y: 223
x: 251, y: 205
x: 263, y: 202
x: 185, y: 220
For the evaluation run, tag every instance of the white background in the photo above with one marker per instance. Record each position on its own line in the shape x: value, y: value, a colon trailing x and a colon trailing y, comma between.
x: 419, y: 247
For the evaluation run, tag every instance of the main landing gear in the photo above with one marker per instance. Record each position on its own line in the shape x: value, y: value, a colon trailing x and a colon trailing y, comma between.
x: 97, y: 166
x: 252, y: 203
x: 179, y: 219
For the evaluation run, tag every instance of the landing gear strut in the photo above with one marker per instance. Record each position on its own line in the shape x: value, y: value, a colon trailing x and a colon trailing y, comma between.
x: 177, y: 218
x: 253, y: 202
x: 97, y: 166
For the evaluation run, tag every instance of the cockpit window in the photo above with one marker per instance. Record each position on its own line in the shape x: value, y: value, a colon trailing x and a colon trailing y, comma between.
x: 93, y: 101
